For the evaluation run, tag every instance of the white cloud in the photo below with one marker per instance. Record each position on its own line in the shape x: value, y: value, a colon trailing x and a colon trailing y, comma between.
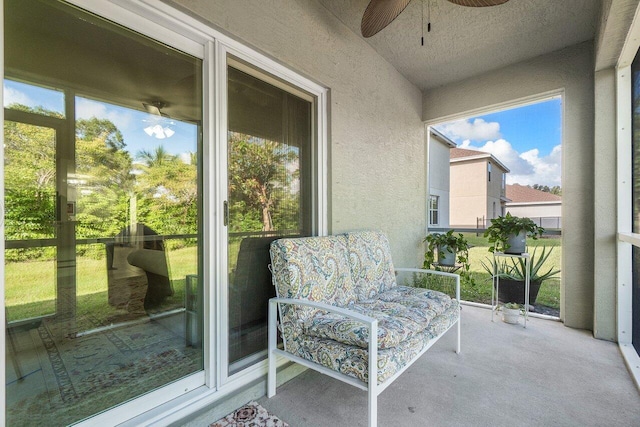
x: 546, y: 169
x: 526, y: 168
x: 86, y: 108
x: 185, y: 158
x: 504, y: 151
x: 478, y: 130
x: 14, y: 96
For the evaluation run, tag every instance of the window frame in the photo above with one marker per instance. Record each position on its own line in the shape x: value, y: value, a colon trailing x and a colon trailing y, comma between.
x: 246, y: 65
x: 626, y: 238
x: 432, y: 210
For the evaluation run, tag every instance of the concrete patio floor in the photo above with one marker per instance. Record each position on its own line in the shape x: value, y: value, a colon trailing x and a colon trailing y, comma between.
x: 544, y: 375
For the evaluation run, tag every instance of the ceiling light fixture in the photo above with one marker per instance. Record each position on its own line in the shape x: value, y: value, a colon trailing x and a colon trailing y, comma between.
x: 159, y: 131
x: 159, y: 127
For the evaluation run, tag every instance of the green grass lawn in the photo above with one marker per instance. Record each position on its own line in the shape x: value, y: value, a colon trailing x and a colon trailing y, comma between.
x: 30, y: 288
x: 549, y: 294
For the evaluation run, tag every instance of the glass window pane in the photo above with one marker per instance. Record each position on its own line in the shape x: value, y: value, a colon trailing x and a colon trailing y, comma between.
x: 40, y: 100
x: 269, y: 149
x: 103, y: 234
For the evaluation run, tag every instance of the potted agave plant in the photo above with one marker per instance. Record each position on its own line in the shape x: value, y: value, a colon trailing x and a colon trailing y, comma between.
x: 509, y: 233
x: 512, y: 272
x: 445, y: 249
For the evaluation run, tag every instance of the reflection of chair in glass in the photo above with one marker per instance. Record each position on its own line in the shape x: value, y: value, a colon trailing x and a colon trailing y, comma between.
x: 137, y: 270
x: 250, y: 290
x: 12, y: 347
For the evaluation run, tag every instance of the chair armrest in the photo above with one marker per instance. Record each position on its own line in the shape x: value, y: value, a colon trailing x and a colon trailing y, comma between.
x: 368, y: 320
x: 437, y: 273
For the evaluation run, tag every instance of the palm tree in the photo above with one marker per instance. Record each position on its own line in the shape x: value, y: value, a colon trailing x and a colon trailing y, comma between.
x: 154, y: 158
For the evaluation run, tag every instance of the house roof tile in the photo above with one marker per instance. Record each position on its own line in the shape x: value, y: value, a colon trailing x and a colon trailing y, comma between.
x: 460, y: 154
x: 457, y: 153
x: 523, y: 194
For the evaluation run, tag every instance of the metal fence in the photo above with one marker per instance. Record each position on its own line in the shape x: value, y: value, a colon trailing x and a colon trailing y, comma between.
x: 552, y: 226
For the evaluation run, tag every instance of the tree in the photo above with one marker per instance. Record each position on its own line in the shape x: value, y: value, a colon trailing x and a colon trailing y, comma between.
x: 258, y: 178
x: 168, y: 190
x: 103, y: 178
x: 30, y: 186
x: 556, y: 189
x: 155, y: 158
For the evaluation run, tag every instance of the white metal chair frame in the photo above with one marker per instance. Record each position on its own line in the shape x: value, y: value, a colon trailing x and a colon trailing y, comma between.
x: 373, y: 388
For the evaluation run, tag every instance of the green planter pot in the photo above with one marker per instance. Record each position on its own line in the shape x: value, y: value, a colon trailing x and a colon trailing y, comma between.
x: 513, y: 291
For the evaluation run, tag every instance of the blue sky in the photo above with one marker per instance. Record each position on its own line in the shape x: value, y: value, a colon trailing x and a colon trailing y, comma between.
x: 130, y: 122
x: 526, y: 139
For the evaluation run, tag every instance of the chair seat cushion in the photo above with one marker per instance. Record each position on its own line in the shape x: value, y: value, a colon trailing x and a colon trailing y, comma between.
x: 402, y: 312
x: 352, y: 360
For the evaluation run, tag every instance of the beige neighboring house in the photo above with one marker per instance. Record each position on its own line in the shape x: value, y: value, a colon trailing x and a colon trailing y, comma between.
x: 478, y: 188
x: 543, y: 208
x: 438, y: 179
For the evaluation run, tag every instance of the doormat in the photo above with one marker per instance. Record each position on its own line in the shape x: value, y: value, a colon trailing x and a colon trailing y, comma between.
x: 250, y: 415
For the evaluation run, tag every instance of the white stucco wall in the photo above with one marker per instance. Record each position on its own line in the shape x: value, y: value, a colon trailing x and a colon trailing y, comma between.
x: 377, y: 152
x: 571, y: 70
x: 438, y: 181
x: 532, y: 210
x: 604, y: 206
x: 468, y: 192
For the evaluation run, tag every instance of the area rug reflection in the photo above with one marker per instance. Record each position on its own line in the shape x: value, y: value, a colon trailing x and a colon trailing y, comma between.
x: 86, y: 375
x: 250, y: 415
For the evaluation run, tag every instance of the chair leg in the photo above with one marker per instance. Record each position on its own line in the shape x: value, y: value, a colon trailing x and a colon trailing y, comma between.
x: 372, y: 388
x: 373, y: 408
x: 458, y: 339
x: 13, y: 353
x: 271, y: 376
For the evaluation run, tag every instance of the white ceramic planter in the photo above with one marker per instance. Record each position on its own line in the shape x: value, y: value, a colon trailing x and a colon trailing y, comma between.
x: 517, y: 243
x: 445, y: 256
x: 510, y: 315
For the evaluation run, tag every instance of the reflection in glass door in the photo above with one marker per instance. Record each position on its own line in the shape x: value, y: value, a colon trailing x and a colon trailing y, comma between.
x: 30, y: 217
x: 269, y: 158
x: 103, y: 199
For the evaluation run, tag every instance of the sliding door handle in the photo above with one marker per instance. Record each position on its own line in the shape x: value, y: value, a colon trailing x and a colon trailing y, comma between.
x: 225, y: 213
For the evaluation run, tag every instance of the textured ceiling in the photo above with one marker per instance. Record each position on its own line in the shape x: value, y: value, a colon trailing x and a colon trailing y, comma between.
x: 465, y: 42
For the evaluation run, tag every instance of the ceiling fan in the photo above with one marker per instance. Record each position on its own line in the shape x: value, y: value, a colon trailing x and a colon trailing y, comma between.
x: 380, y: 13
x: 154, y: 108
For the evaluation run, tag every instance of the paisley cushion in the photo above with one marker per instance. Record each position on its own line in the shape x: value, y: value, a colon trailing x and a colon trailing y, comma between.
x: 402, y: 312
x: 352, y: 360
x: 371, y: 264
x: 313, y: 269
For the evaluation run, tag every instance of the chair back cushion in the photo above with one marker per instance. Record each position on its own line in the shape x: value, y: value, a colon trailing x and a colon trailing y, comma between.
x: 371, y: 265
x: 314, y: 269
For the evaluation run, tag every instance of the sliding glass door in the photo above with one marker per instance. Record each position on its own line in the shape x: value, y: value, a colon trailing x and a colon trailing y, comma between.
x: 270, y: 173
x: 103, y: 196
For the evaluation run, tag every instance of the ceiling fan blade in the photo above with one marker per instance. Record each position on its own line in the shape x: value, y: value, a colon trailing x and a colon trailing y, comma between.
x: 478, y: 3
x: 151, y: 109
x: 379, y: 14
x: 154, y: 108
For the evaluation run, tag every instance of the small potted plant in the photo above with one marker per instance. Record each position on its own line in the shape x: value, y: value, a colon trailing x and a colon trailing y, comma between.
x: 511, y: 312
x: 509, y: 233
x: 447, y: 248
